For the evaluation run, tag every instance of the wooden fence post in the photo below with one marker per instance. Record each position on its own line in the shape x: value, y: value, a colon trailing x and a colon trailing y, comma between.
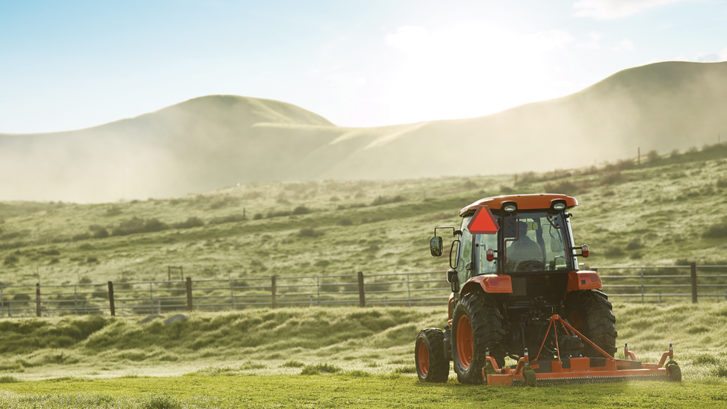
x: 694, y: 282
x: 37, y: 300
x: 189, y: 293
x: 112, y: 307
x: 361, y: 291
x: 273, y: 291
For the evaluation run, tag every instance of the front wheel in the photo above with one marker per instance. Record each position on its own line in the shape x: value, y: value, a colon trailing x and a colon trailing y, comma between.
x: 431, y: 362
x: 476, y: 328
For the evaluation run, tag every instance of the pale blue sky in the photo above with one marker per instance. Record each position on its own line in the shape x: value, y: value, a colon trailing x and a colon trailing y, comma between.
x: 74, y: 64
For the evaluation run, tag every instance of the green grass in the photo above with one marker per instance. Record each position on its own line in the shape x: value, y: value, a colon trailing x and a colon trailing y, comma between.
x: 321, y: 228
x: 224, y: 391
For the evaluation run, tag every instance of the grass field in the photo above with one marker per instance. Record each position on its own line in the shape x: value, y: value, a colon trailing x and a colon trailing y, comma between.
x: 346, y: 390
x: 669, y: 209
x: 320, y: 358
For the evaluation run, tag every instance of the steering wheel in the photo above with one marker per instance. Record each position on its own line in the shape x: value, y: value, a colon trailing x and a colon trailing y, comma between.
x: 530, y: 265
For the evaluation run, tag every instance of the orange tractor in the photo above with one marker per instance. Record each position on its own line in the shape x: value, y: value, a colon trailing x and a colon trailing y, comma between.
x: 517, y: 292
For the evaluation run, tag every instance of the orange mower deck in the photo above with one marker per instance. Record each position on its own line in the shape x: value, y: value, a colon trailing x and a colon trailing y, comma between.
x: 579, y: 369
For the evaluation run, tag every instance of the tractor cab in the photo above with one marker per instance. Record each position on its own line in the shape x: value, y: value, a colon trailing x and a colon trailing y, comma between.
x: 523, y: 242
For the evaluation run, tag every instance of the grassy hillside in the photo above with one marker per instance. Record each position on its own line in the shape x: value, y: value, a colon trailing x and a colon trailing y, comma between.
x: 669, y: 208
x: 312, y: 340
x: 216, y: 141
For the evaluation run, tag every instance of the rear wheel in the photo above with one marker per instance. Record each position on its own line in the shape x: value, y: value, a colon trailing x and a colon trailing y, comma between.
x: 476, y: 328
x: 431, y: 362
x: 591, y: 313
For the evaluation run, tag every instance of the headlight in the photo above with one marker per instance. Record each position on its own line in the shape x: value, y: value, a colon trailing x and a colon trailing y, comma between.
x: 509, y: 207
x: 558, y: 206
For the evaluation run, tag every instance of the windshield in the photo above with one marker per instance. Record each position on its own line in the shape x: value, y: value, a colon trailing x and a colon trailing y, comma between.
x: 534, y: 241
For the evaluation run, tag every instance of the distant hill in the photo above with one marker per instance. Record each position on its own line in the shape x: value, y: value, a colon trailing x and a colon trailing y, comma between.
x: 216, y: 141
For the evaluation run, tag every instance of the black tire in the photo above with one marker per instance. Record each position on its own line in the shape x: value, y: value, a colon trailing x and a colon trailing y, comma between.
x: 592, y: 314
x: 431, y: 362
x: 485, y: 333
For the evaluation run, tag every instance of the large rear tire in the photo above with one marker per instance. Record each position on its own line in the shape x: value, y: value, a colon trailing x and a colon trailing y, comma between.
x: 476, y: 328
x: 431, y: 362
x: 592, y: 314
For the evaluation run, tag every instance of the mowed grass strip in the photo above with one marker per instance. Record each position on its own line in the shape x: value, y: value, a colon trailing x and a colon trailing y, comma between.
x: 333, y: 391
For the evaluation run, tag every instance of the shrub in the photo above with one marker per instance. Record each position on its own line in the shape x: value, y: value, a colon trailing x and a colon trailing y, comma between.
x: 716, y: 231
x: 319, y: 369
x: 382, y: 200
x: 81, y: 236
x: 10, y: 260
x: 292, y: 364
x: 189, y: 223
x: 231, y: 218
x: 652, y: 156
x: 98, y: 232
x: 258, y: 216
x: 634, y: 244
x: 137, y: 225
x: 309, y: 232
x: 564, y: 187
x: 345, y: 221
x: 301, y: 210
x: 612, y: 177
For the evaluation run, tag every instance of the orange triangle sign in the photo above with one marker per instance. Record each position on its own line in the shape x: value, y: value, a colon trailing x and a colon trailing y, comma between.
x: 483, y: 222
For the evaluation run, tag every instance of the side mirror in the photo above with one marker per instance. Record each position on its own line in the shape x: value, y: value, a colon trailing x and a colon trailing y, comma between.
x: 585, y: 251
x: 435, y: 246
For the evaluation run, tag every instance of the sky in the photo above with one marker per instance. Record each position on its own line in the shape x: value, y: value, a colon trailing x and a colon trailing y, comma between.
x: 74, y: 64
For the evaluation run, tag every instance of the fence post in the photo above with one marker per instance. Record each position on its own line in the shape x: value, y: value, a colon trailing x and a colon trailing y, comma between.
x: 112, y: 307
x: 694, y: 282
x: 361, y: 291
x: 642, y: 285
x: 37, y: 299
x: 273, y: 291
x: 408, y: 291
x: 188, y: 286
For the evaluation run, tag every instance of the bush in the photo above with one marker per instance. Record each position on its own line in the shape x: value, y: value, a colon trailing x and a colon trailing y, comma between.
x: 634, y: 244
x: 716, y: 231
x: 309, y: 232
x: 652, y: 156
x: 98, y: 232
x: 136, y: 225
x: 292, y: 364
x: 189, y: 223
x: 10, y: 260
x: 231, y: 218
x: 611, y: 178
x: 345, y: 221
x: 301, y: 210
x: 382, y: 200
x: 564, y: 187
x: 319, y: 369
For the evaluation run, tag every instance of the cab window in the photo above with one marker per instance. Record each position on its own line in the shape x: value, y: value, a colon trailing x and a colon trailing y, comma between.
x: 464, y: 256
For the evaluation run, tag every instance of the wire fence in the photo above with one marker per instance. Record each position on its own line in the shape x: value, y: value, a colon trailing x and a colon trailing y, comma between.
x: 645, y: 284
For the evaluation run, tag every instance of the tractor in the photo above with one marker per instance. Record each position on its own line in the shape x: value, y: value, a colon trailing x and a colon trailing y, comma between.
x: 518, y: 293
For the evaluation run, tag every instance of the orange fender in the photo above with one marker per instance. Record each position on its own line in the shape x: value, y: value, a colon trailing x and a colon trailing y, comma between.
x: 490, y: 283
x: 583, y: 280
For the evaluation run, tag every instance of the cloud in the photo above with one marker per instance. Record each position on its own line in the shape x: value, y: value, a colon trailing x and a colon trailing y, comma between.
x: 612, y: 9
x: 713, y: 57
x: 625, y: 45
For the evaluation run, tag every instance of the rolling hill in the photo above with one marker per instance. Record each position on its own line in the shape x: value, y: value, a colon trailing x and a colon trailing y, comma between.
x: 217, y: 141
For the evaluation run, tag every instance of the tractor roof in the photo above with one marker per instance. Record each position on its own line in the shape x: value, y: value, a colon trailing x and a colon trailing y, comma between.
x: 523, y: 202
